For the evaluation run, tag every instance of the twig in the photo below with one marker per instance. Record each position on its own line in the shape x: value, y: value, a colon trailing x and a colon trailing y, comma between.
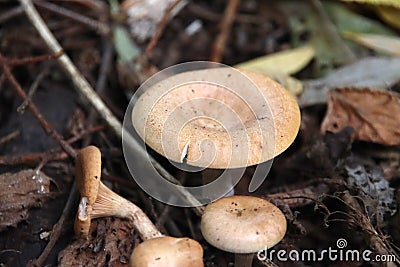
x: 32, y: 90
x: 225, y: 26
x: 32, y: 157
x: 9, y: 14
x: 90, y: 95
x: 2, y: 80
x: 100, y: 27
x: 101, y: 83
x: 357, y: 215
x: 9, y: 137
x: 93, y: 4
x: 54, y: 154
x: 160, y: 28
x: 30, y: 60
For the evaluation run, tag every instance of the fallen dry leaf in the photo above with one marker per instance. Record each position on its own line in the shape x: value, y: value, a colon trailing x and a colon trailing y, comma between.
x: 20, y: 192
x: 374, y: 114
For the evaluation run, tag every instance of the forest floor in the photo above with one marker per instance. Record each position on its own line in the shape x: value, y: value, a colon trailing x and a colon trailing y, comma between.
x: 337, y: 184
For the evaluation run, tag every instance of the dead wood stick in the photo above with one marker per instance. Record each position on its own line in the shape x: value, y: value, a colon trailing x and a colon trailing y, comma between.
x: 100, y: 27
x: 225, y: 26
x: 160, y: 28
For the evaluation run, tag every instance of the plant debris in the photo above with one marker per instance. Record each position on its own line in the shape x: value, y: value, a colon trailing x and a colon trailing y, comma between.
x: 376, y: 192
x: 373, y: 114
x: 110, y: 243
x: 21, y: 191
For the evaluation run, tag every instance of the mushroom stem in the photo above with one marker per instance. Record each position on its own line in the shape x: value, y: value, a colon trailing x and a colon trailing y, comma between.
x: 209, y: 175
x: 244, y: 260
x: 109, y: 203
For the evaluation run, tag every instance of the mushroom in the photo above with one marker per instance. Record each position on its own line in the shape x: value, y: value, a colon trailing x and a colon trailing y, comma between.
x: 97, y: 200
x: 183, y: 116
x: 243, y: 225
x: 88, y: 172
x: 168, y: 252
x: 218, y: 118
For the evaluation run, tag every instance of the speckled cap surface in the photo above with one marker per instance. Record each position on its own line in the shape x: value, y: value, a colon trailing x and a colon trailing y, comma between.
x: 214, y: 126
x: 243, y: 224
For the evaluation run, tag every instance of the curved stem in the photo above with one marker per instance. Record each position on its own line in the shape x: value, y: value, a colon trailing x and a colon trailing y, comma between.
x: 109, y: 203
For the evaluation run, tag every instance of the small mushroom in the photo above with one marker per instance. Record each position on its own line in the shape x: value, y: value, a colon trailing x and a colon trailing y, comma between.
x: 168, y: 252
x: 243, y: 225
x: 97, y: 200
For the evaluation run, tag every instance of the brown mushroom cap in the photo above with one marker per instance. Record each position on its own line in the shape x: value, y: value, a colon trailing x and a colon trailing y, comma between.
x: 242, y: 224
x: 168, y: 252
x: 88, y: 172
x: 170, y: 118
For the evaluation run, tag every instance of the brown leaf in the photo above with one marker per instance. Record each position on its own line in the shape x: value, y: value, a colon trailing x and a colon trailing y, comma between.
x: 21, y: 191
x: 374, y: 114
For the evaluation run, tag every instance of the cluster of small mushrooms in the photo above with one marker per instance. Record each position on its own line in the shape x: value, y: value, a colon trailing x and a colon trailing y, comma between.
x: 260, y: 223
x: 97, y: 201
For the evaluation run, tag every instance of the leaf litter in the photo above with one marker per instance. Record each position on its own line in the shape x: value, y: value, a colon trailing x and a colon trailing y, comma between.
x: 24, y: 190
x: 373, y: 114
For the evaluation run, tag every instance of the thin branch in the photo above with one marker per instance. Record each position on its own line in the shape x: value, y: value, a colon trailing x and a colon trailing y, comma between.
x: 160, y: 28
x: 32, y: 90
x: 9, y: 137
x: 11, y: 13
x: 54, y: 154
x: 225, y: 27
x: 30, y: 60
x: 101, y: 83
x: 100, y: 27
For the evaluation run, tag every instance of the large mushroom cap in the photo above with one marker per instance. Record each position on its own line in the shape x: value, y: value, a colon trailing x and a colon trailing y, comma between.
x: 167, y: 252
x: 242, y: 224
x: 217, y: 118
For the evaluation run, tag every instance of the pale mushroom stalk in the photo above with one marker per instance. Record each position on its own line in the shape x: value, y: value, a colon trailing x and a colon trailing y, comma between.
x: 108, y: 203
x: 244, y: 260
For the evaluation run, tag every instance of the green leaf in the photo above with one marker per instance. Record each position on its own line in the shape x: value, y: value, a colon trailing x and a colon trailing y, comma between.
x: 346, y: 20
x: 287, y: 62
